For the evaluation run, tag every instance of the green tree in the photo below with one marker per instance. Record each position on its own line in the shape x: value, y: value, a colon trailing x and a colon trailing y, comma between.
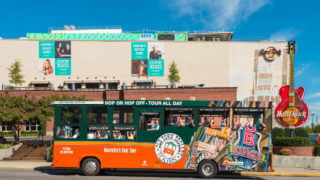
x: 173, y: 73
x: 15, y: 73
x: 14, y: 111
x: 17, y: 110
x: 308, y: 129
x: 316, y: 128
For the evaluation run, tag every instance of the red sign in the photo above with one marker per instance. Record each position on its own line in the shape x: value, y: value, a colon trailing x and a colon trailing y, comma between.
x: 292, y: 111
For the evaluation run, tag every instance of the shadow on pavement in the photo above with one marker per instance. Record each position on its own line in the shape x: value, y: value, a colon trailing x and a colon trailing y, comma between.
x: 131, y: 173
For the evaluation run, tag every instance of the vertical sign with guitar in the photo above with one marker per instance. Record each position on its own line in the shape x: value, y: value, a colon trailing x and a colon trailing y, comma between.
x: 291, y: 111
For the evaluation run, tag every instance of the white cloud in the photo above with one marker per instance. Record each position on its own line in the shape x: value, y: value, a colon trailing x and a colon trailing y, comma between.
x: 302, y: 69
x: 284, y: 35
x: 314, y: 95
x: 217, y: 14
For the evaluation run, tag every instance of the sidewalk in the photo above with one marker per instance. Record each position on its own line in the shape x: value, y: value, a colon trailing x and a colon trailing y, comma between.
x: 22, y: 164
x: 279, y: 171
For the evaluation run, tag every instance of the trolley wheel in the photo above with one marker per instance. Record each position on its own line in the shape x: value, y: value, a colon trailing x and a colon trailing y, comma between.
x: 90, y: 167
x: 207, y: 169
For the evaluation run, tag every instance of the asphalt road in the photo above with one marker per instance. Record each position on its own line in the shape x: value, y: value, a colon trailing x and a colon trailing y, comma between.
x: 48, y: 174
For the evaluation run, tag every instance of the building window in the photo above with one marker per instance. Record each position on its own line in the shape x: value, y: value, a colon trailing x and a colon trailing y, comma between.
x: 144, y: 84
x: 123, y: 115
x: 76, y: 86
x: 92, y: 85
x: 179, y: 117
x: 6, y: 127
x: 41, y: 86
x: 33, y: 126
x: 97, y: 115
x: 111, y: 86
x: 71, y: 114
x: 149, y: 120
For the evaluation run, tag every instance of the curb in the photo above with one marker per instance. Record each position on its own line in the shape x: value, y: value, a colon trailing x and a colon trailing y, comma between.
x: 279, y: 174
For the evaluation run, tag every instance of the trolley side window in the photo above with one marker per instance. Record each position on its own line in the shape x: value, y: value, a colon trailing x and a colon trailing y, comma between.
x: 98, y: 132
x: 71, y: 114
x: 124, y: 133
x: 67, y: 132
x: 123, y: 115
x: 213, y: 118
x: 149, y: 120
x: 179, y: 117
x: 97, y: 115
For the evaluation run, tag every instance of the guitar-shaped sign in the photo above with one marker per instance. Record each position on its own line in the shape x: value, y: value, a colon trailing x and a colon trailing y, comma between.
x: 291, y: 111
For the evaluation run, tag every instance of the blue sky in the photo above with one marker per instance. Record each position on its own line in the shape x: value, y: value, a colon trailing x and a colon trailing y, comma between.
x: 268, y: 19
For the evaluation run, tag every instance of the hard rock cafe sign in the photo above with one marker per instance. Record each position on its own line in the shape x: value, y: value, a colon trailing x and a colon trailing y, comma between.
x: 292, y: 111
x: 270, y: 53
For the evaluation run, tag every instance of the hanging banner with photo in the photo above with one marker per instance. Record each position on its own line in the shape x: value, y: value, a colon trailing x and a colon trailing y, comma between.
x: 54, y: 58
x: 147, y: 59
x: 46, y: 66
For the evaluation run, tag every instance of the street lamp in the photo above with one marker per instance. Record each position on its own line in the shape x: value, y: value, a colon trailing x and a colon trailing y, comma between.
x: 312, y: 123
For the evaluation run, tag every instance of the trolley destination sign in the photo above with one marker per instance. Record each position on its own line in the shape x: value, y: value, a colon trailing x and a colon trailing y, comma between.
x: 170, y: 103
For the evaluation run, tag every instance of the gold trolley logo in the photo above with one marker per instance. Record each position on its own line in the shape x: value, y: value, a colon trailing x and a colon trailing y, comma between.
x: 270, y: 53
x: 169, y: 148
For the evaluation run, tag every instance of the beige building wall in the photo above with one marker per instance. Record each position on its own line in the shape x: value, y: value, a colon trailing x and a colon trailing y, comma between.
x: 215, y: 64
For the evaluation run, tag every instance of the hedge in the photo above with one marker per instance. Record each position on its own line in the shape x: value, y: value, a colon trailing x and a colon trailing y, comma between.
x: 316, y: 150
x: 23, y: 133
x: 10, y: 133
x: 295, y: 141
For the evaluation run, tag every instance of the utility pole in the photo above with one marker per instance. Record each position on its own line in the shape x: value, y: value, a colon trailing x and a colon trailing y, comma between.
x: 312, y: 123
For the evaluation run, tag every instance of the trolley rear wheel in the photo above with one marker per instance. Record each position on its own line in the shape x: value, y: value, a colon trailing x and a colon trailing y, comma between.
x: 207, y: 169
x: 90, y: 167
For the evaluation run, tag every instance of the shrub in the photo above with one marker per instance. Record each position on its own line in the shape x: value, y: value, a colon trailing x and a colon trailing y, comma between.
x: 285, y: 152
x: 301, y: 132
x: 6, y: 134
x: 5, y: 146
x: 295, y: 141
x: 51, y: 152
x: 277, y: 132
x: 29, y: 133
x: 316, y: 150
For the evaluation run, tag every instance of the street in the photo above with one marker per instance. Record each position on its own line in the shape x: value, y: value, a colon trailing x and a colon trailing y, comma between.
x: 49, y: 174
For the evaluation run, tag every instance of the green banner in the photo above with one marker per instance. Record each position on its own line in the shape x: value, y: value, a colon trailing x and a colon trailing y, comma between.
x: 155, y: 67
x: 63, y: 66
x: 139, y: 50
x: 46, y: 49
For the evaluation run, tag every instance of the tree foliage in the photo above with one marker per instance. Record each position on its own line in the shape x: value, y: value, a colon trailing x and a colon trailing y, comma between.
x: 15, y: 73
x: 316, y: 128
x: 17, y: 110
x: 173, y: 73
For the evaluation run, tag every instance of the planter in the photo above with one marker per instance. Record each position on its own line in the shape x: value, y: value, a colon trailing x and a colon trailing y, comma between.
x: 296, y: 151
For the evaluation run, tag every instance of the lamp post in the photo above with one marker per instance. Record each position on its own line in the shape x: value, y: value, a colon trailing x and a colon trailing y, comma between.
x: 312, y: 123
